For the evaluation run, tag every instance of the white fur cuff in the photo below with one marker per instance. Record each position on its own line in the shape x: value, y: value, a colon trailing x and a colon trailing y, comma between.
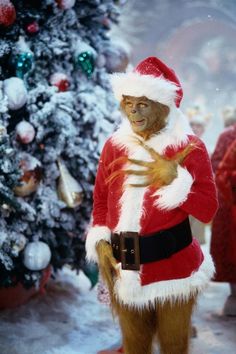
x: 96, y: 234
x: 173, y: 195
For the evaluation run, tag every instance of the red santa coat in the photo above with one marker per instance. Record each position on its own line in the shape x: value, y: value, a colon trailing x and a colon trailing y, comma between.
x: 119, y: 207
x: 223, y: 240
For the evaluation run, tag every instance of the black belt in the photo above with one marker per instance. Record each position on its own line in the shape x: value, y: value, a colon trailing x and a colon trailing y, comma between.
x: 132, y: 249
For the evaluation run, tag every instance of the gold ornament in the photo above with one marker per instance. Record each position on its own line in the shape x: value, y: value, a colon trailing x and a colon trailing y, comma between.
x: 69, y: 190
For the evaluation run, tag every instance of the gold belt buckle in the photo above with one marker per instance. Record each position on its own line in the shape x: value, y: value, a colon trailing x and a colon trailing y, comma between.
x: 129, y: 249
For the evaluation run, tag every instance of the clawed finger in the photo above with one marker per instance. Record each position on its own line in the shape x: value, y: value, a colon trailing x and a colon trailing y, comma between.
x: 146, y: 184
x: 136, y: 172
x: 154, y: 154
x: 141, y: 163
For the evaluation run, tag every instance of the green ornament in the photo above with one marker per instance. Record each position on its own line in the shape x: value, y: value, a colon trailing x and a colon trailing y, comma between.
x: 85, y: 61
x: 23, y: 64
x: 91, y: 272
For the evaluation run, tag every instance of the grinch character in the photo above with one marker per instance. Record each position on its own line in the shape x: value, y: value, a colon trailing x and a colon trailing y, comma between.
x: 153, y: 173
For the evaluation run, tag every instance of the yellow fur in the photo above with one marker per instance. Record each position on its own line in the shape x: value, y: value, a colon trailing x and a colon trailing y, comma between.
x: 168, y: 323
x: 107, y: 265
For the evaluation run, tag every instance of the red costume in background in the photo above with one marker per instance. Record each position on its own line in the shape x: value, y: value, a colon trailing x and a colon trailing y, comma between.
x: 223, y: 241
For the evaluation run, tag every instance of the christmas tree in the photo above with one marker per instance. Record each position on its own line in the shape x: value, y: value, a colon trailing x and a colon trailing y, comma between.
x: 55, y: 112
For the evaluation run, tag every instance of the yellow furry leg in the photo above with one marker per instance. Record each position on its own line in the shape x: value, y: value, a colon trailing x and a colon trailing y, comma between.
x: 138, y: 329
x: 173, y: 328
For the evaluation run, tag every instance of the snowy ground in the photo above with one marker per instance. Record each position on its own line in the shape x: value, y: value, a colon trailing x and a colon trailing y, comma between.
x: 68, y: 319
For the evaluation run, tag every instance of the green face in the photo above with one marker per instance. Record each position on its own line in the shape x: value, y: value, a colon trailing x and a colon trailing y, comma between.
x: 139, y: 111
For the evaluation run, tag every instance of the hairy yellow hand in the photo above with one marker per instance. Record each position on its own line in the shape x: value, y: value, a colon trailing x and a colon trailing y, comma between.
x: 107, y: 264
x: 161, y: 171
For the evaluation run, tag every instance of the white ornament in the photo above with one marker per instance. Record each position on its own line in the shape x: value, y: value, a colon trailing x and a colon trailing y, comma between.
x: 37, y: 255
x: 14, y: 89
x: 117, y: 56
x: 25, y: 132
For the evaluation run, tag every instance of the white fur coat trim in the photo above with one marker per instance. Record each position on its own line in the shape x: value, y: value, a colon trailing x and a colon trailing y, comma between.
x: 129, y: 291
x: 131, y: 201
x: 169, y: 197
x: 134, y: 84
x: 96, y: 234
x: 174, y: 194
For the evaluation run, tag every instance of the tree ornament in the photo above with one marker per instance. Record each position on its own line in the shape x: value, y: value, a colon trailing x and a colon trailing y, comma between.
x: 15, y: 90
x: 32, y: 28
x: 69, y: 190
x: 25, y: 132
x: 32, y: 175
x: 7, y: 13
x: 23, y: 63
x: 91, y: 272
x: 117, y: 57
x: 37, y: 255
x: 85, y: 57
x: 61, y: 81
x: 65, y: 4
x: 85, y: 61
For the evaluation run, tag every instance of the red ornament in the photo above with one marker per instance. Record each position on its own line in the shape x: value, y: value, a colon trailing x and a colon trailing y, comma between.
x: 32, y: 28
x: 61, y: 81
x: 65, y: 4
x: 7, y: 13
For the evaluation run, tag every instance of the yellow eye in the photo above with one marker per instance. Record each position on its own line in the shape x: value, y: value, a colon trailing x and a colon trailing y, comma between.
x: 142, y: 105
x: 129, y: 104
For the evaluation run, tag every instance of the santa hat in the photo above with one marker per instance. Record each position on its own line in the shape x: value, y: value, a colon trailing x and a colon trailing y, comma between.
x: 152, y: 79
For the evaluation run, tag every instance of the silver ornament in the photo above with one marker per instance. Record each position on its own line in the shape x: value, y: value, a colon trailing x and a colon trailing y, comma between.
x: 37, y: 255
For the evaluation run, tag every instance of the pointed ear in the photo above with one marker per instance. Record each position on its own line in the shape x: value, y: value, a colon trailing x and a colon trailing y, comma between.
x: 122, y: 105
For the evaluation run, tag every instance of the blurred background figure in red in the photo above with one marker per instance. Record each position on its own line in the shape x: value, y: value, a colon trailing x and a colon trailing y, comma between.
x: 223, y: 241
